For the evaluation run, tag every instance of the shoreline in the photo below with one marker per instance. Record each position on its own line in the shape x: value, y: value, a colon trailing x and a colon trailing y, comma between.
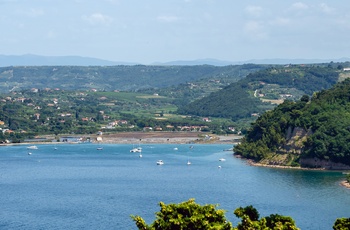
x: 344, y: 183
x: 142, y: 138
x: 252, y: 163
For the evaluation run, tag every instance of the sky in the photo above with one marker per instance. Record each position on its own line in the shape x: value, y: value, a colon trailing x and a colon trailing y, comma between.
x: 150, y: 31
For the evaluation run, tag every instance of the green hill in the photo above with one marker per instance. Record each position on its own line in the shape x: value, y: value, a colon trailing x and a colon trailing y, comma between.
x: 311, y: 133
x: 262, y: 90
x: 110, y: 78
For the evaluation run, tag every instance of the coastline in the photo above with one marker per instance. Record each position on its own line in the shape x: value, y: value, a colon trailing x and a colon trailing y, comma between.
x: 166, y: 138
x: 252, y: 163
x: 143, y: 138
x: 344, y: 183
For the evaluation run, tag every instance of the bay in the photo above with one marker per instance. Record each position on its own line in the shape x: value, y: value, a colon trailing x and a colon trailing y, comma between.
x: 80, y: 187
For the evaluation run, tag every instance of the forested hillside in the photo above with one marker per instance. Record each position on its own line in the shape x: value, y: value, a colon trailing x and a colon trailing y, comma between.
x: 261, y: 90
x: 110, y: 78
x: 316, y: 129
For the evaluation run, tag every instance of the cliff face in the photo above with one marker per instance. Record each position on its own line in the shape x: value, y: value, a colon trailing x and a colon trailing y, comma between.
x: 295, y: 138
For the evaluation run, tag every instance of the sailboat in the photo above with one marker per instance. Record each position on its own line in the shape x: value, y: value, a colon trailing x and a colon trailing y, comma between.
x: 188, y: 160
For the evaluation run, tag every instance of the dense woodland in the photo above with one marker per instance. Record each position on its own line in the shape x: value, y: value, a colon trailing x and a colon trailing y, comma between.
x: 110, y: 78
x: 325, y: 117
x: 237, y: 100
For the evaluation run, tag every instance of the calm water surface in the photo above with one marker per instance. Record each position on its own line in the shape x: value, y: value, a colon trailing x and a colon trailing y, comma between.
x: 80, y: 187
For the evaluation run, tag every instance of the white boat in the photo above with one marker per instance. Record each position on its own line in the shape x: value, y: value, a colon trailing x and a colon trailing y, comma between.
x: 176, y: 149
x: 160, y: 162
x: 140, y: 155
x: 189, y: 162
x: 100, y: 148
x: 32, y: 147
x: 29, y: 153
x: 222, y: 159
x: 136, y: 150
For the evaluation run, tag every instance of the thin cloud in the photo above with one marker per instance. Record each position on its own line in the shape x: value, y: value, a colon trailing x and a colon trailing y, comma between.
x: 255, y: 30
x: 254, y: 11
x: 280, y: 21
x: 98, y: 19
x: 167, y: 18
x: 35, y: 12
x: 326, y: 9
x: 299, y: 6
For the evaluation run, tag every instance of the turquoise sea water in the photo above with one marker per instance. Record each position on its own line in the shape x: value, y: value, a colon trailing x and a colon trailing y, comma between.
x: 80, y: 187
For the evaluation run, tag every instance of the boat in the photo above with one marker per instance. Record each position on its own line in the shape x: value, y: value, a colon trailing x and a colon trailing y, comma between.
x: 100, y: 148
x: 32, y: 147
x: 29, y: 153
x: 176, y: 149
x: 140, y: 155
x: 189, y: 162
x: 222, y: 159
x: 136, y: 150
x: 160, y: 162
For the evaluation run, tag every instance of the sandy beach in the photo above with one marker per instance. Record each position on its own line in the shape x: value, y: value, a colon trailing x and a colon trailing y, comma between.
x: 141, y: 138
x: 166, y: 138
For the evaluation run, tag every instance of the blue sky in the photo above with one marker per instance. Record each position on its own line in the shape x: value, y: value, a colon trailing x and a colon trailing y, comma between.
x: 151, y: 31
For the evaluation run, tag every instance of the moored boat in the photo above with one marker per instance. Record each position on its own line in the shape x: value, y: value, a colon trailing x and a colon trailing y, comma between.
x: 136, y: 150
x: 32, y: 147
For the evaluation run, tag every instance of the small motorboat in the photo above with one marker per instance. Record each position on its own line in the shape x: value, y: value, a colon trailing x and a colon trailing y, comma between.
x: 160, y: 162
x: 100, y: 148
x: 136, y: 150
x: 189, y: 162
x: 222, y: 159
x: 32, y: 147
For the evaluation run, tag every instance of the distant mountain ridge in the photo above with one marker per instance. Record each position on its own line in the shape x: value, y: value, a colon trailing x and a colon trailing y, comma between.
x: 275, y: 61
x: 39, y: 60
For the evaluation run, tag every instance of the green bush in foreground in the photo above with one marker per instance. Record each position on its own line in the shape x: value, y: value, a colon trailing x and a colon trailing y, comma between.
x: 189, y: 215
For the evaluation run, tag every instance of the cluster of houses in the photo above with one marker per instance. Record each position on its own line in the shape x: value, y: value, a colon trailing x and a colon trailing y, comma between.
x: 63, y: 116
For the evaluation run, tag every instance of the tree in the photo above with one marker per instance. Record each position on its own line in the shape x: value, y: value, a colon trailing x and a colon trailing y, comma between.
x: 342, y: 224
x: 189, y: 215
x: 186, y: 215
x: 250, y: 220
x: 305, y: 98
